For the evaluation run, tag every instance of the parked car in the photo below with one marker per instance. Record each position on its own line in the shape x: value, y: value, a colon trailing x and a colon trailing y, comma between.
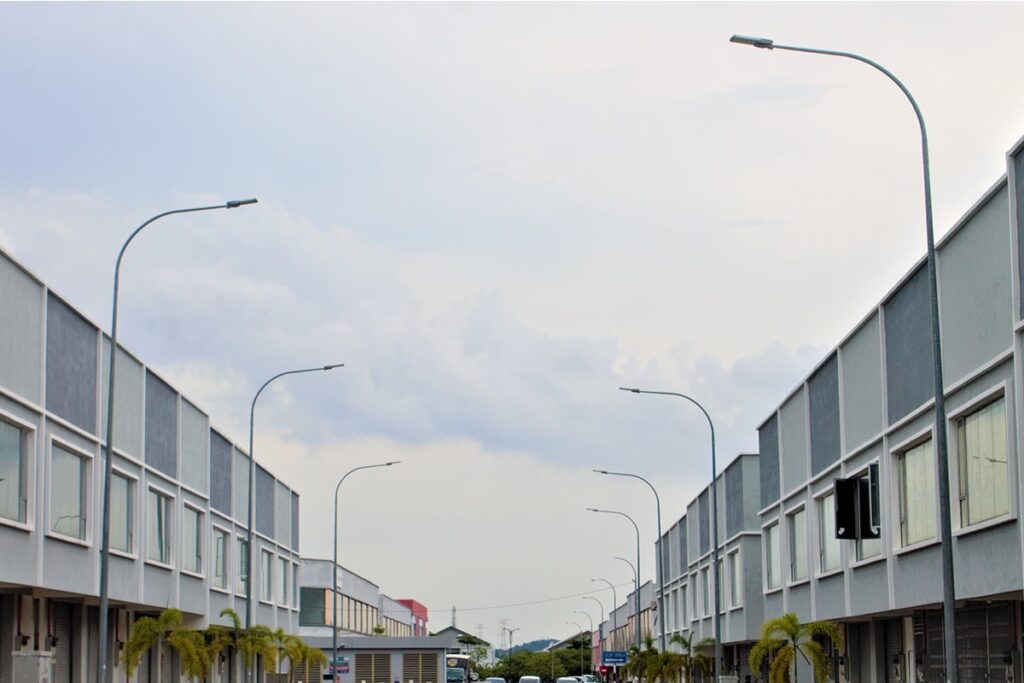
x: 495, y: 679
x: 590, y: 678
x: 567, y: 679
x: 529, y: 679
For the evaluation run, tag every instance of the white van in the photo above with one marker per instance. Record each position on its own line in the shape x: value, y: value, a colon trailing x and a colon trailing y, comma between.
x: 529, y: 679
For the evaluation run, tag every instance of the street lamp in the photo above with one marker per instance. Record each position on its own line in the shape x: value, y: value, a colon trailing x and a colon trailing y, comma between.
x: 591, y: 621
x: 508, y: 655
x: 108, y: 468
x: 661, y: 550
x: 636, y: 569
x: 334, y: 566
x: 941, y: 450
x: 714, y: 521
x: 581, y: 643
x: 615, y: 603
x: 636, y: 578
x: 600, y: 606
x: 252, y: 478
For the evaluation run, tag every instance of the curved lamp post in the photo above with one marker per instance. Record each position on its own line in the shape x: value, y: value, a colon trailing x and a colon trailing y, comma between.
x: 590, y: 620
x: 581, y: 643
x: 600, y: 606
x: 510, y: 631
x: 615, y: 602
x: 101, y: 668
x: 636, y: 577
x: 636, y: 569
x: 334, y: 566
x: 714, y: 519
x: 941, y: 449
x: 661, y: 550
x: 251, y: 503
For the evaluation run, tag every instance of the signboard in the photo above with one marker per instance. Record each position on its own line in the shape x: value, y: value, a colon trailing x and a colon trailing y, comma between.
x: 614, y: 657
x: 340, y: 666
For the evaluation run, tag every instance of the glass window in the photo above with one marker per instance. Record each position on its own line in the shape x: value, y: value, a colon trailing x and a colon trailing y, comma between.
x: 192, y: 540
x: 798, y: 546
x: 706, y: 581
x: 13, y: 484
x: 915, y: 468
x: 159, y: 527
x: 243, y: 566
x: 295, y: 585
x: 220, y: 558
x: 282, y: 580
x: 871, y: 547
x: 67, y: 493
x: 313, y: 608
x: 735, y: 580
x: 984, y: 473
x: 121, y: 522
x: 828, y: 544
x: 267, y: 577
x: 773, y: 559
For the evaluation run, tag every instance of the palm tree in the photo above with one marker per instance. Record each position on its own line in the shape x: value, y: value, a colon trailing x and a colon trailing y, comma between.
x: 694, y: 657
x: 145, y: 633
x: 783, y: 637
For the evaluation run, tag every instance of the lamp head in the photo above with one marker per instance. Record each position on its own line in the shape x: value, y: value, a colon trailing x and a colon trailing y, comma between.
x: 235, y: 203
x: 592, y: 510
x: 335, y: 365
x: 632, y: 389
x: 393, y: 462
x: 764, y: 43
x: 600, y: 471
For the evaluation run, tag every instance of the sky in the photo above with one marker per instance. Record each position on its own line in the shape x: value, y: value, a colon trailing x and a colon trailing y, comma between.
x: 494, y: 215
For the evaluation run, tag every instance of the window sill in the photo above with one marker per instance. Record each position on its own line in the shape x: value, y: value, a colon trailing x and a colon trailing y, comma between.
x: 68, y: 539
x: 160, y: 565
x: 827, y: 574
x: 798, y: 583
x: 15, y: 524
x: 122, y: 554
x: 735, y: 608
x: 194, y: 575
x: 867, y: 561
x: 920, y: 545
x: 266, y: 602
x: 219, y: 589
x: 770, y: 591
x: 981, y: 526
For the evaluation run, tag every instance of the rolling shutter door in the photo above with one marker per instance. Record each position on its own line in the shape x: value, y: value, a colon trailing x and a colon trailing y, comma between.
x: 62, y: 653
x: 364, y: 668
x: 893, y: 648
x: 972, y: 645
x: 419, y: 667
x: 381, y: 667
x: 1000, y: 642
x: 865, y: 647
x: 92, y: 647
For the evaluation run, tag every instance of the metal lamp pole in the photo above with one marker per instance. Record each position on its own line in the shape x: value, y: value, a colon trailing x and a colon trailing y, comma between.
x: 636, y: 577
x: 714, y: 520
x: 334, y: 566
x: 941, y: 449
x: 661, y: 551
x: 508, y: 655
x: 590, y: 620
x: 600, y: 606
x: 101, y: 668
x: 636, y: 569
x: 615, y: 604
x: 581, y: 643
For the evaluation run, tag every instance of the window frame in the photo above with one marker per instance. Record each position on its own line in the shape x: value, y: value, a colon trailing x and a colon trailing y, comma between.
x: 792, y: 539
x: 826, y: 534
x: 28, y: 435
x: 243, y: 578
x: 218, y: 530
x: 152, y: 488
x: 295, y: 586
x: 86, y: 506
x: 705, y: 596
x: 266, y: 575
x: 133, y: 517
x: 200, y: 538
x: 283, y: 581
x: 766, y: 533
x: 898, y: 454
x: 954, y: 419
x: 859, y: 558
x: 733, y: 561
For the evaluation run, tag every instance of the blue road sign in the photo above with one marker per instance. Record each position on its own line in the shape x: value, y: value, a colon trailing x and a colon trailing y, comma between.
x: 613, y: 657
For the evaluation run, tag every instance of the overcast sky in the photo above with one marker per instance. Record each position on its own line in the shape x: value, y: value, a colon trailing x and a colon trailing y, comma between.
x: 494, y: 214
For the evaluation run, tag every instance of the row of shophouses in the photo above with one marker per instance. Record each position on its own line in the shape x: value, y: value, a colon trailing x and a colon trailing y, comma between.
x: 866, y: 410
x: 179, y: 496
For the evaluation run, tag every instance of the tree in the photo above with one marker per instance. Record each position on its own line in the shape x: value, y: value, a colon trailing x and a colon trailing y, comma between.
x: 782, y: 638
x: 379, y: 630
x: 144, y: 634
x: 693, y: 655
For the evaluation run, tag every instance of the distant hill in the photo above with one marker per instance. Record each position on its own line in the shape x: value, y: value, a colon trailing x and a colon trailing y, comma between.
x: 532, y: 646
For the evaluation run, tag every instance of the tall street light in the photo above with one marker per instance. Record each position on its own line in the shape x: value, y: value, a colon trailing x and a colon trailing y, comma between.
x: 510, y: 631
x: 108, y: 468
x: 615, y: 602
x: 252, y: 477
x: 636, y: 576
x: 600, y: 606
x: 714, y: 520
x: 334, y: 565
x: 941, y: 450
x: 636, y: 569
x: 661, y: 550
x: 581, y: 643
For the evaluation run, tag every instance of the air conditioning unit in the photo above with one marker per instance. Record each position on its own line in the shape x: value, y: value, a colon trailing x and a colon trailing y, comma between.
x: 35, y: 666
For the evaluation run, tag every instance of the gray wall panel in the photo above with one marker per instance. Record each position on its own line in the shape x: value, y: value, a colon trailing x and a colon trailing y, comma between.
x: 977, y: 554
x: 195, y: 463
x: 240, y: 487
x: 866, y: 584
x: 66, y: 567
x: 264, y: 502
x: 21, y: 329
x: 768, y: 445
x: 220, y: 473
x: 683, y: 548
x: 158, y: 586
x: 693, y: 531
x: 799, y: 601
x: 823, y: 404
x: 71, y: 347
x: 830, y: 597
x: 862, y: 384
x: 773, y: 606
x: 161, y: 426
x: 917, y: 577
x: 282, y: 512
x: 295, y: 522
x: 127, y: 398
x: 1018, y: 167
x: 793, y: 437
x: 124, y: 579
x: 908, y: 347
x: 976, y: 296
x: 704, y: 519
x: 752, y: 493
x: 734, y: 499
x: 192, y: 594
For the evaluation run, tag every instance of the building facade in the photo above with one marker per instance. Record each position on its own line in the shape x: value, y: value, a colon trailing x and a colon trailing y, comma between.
x: 179, y: 496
